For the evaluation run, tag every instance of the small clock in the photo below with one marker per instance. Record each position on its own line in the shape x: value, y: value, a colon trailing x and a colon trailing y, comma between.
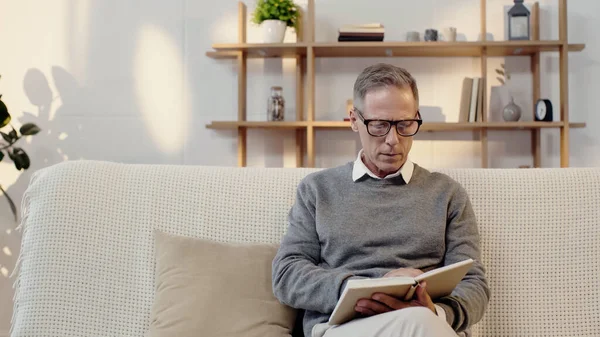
x: 543, y: 110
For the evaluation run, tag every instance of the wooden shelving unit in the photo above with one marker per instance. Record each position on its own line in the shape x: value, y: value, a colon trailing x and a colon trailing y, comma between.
x: 307, y: 50
x: 425, y: 127
x: 392, y: 49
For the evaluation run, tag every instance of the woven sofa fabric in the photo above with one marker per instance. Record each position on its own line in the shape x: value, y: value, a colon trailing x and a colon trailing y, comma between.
x: 87, y: 261
x: 540, y: 233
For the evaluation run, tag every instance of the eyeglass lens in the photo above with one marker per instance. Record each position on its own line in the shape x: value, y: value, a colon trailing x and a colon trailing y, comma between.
x: 381, y: 128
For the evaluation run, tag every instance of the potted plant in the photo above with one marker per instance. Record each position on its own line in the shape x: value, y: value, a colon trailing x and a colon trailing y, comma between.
x: 275, y: 16
x: 16, y: 154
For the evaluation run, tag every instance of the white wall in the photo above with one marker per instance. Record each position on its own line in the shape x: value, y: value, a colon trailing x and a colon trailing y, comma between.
x: 128, y: 81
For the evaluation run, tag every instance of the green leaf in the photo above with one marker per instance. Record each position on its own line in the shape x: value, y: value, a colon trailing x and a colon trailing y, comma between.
x: 13, y: 134
x: 11, y: 203
x: 20, y: 158
x: 16, y: 160
x: 4, y: 115
x: 1, y: 155
x: 6, y: 137
x: 284, y: 10
x: 29, y: 129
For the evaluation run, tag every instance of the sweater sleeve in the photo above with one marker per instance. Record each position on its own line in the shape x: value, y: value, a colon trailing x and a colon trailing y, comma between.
x: 298, y: 279
x: 468, y: 302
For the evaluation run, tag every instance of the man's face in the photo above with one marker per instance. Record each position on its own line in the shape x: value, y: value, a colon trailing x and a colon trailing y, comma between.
x: 385, y: 155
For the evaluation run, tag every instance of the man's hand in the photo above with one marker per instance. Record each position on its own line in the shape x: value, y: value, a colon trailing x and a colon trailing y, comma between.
x: 380, y: 303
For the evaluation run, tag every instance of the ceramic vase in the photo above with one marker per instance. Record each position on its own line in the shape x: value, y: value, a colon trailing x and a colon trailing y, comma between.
x: 511, y: 112
x: 273, y: 31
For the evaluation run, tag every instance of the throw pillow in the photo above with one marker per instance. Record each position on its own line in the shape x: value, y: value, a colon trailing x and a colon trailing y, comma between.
x: 206, y: 288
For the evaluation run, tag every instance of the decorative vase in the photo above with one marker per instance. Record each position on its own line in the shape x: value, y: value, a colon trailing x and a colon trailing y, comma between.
x: 431, y: 35
x: 276, y: 105
x: 511, y: 111
x: 273, y: 31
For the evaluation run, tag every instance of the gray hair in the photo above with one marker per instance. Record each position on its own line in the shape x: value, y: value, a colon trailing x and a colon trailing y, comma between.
x: 382, y: 75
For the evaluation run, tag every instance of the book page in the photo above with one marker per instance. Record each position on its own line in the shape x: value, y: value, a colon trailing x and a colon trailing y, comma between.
x: 441, y: 281
x: 366, y: 288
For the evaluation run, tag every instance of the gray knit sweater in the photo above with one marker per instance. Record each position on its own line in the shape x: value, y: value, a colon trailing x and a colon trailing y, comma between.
x: 338, y: 229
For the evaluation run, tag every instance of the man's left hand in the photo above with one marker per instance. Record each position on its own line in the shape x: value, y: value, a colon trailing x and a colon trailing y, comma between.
x: 380, y: 303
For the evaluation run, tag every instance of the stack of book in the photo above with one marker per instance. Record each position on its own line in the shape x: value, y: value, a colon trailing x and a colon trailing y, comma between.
x: 365, y: 32
x: 471, y: 100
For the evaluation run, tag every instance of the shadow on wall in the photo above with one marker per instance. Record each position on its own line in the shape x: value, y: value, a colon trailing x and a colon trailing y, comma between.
x: 118, y: 98
x: 44, y: 149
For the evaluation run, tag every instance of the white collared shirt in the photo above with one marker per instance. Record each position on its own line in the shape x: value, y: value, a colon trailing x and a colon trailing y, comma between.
x: 360, y: 169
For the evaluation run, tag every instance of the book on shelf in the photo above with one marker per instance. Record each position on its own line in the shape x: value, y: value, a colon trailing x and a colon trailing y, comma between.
x: 365, y: 32
x: 440, y: 282
x: 351, y: 38
x: 362, y: 30
x: 471, y: 100
x: 372, y: 25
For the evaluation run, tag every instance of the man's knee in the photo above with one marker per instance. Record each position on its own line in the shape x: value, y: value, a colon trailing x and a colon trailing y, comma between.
x: 415, y: 314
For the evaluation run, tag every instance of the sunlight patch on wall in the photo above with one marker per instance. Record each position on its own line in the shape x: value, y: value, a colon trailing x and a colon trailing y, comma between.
x: 6, y: 251
x: 159, y: 88
x: 4, y: 271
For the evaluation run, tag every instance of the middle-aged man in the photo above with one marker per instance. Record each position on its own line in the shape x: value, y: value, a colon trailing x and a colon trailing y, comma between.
x: 380, y: 216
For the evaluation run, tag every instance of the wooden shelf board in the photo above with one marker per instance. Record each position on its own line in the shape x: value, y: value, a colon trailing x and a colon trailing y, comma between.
x: 257, y: 125
x: 390, y: 49
x: 577, y: 125
x: 463, y: 126
x: 222, y: 54
x: 424, y: 127
x: 394, y: 49
x: 437, y: 49
x: 515, y: 48
x: 263, y: 50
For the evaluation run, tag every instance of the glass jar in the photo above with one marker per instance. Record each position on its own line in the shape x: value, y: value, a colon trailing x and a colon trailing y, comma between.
x: 275, y: 105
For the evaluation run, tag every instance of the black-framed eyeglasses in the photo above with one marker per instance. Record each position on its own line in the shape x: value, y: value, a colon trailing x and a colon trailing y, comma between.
x: 381, y: 127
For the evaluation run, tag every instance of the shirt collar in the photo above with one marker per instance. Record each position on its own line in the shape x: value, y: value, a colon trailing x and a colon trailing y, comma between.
x: 360, y: 169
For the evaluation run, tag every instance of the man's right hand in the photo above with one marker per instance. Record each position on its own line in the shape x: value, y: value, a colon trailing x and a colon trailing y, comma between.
x: 410, y: 272
x: 370, y: 307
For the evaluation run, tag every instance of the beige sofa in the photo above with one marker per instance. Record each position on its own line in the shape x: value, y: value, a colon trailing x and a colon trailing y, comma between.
x: 87, y: 265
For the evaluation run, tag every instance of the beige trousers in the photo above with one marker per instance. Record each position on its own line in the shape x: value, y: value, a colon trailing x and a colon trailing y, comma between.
x: 409, y: 322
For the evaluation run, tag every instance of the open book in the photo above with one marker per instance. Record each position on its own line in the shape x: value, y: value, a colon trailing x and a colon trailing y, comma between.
x: 440, y: 282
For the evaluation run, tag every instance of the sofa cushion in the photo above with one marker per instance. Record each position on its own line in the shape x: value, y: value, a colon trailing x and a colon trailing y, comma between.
x: 207, y: 288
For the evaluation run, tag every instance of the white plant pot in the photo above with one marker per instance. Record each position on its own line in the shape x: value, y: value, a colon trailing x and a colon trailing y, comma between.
x: 273, y: 31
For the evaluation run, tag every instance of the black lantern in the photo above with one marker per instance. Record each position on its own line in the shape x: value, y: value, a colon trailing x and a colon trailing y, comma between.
x: 518, y: 22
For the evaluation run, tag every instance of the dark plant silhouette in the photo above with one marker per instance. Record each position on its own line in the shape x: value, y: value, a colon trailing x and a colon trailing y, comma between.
x: 16, y: 154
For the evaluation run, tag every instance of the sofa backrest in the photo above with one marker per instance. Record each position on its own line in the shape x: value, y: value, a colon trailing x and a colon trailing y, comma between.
x: 87, y: 260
